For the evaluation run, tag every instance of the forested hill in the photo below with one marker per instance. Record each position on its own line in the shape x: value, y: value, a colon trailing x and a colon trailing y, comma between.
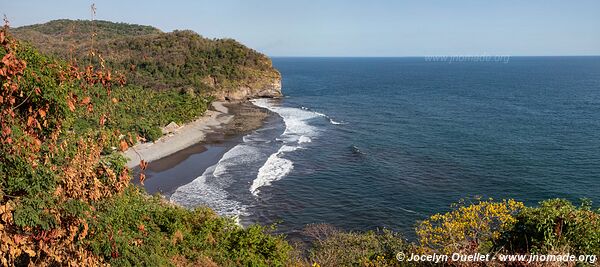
x: 179, y: 60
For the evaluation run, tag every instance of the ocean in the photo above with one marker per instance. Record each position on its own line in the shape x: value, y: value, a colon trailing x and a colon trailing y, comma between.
x: 368, y: 143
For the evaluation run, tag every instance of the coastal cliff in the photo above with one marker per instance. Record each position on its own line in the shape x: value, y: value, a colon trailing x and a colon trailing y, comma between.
x: 267, y: 87
x: 180, y: 60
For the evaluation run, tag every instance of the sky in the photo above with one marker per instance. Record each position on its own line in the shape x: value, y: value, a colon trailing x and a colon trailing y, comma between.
x: 355, y: 28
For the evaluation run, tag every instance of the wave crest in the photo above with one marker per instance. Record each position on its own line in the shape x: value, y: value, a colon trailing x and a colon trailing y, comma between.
x: 297, y: 132
x: 274, y: 169
x: 324, y: 116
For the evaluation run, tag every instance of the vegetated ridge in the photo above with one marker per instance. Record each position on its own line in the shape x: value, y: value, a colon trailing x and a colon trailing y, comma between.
x: 152, y: 59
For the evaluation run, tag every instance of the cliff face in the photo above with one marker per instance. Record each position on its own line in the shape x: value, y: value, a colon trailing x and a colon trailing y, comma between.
x: 179, y: 60
x: 266, y: 86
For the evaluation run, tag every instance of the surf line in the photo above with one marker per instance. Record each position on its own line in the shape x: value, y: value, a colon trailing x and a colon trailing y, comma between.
x: 297, y: 132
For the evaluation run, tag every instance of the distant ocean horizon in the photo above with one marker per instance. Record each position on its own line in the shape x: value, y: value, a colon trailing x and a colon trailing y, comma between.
x: 370, y: 142
x: 275, y: 58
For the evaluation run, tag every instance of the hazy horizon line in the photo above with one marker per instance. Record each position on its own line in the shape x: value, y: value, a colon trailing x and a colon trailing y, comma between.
x: 422, y: 56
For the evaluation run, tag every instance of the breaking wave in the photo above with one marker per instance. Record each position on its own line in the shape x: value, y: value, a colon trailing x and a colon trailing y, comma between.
x: 297, y: 132
x: 324, y: 116
x: 209, y: 188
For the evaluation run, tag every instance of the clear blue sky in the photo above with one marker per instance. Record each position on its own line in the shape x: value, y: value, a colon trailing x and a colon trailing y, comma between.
x: 356, y: 28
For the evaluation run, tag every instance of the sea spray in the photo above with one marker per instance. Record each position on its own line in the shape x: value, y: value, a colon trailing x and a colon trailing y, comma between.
x: 274, y: 169
x: 224, y: 186
x: 202, y: 192
x: 297, y: 132
x: 324, y: 116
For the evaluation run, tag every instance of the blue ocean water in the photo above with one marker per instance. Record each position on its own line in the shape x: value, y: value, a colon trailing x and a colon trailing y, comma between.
x: 365, y: 143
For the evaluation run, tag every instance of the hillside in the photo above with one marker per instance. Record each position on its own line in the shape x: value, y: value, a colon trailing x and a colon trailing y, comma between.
x: 67, y: 200
x: 179, y: 60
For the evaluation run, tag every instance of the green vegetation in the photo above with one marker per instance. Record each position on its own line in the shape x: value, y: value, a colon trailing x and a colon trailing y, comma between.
x: 171, y: 77
x: 468, y: 228
x: 556, y: 225
x: 143, y: 112
x: 65, y: 199
x: 76, y: 32
x: 135, y: 229
x: 152, y: 59
x: 508, y: 227
x: 332, y: 247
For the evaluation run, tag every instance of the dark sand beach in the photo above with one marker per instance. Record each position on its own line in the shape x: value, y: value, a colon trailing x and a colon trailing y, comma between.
x: 166, y: 174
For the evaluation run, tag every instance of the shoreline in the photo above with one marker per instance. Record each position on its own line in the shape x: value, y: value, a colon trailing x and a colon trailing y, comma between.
x: 183, y: 137
x: 195, y: 146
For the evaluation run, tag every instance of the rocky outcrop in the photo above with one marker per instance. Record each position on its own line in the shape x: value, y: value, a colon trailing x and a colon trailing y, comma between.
x: 269, y: 87
x: 179, y: 60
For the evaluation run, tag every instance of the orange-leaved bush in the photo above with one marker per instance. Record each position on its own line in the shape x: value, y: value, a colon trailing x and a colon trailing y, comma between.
x: 49, y: 174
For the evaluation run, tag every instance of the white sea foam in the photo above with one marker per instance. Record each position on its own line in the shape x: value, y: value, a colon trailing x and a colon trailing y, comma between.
x: 240, y: 154
x: 324, y: 116
x: 297, y: 132
x: 320, y: 114
x: 200, y: 192
x: 304, y: 139
x: 274, y: 169
x: 407, y: 210
x: 295, y: 119
x: 330, y: 119
x: 335, y: 122
x: 208, y: 189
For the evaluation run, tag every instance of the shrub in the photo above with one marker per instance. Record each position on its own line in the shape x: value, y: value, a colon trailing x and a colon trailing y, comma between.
x: 136, y: 229
x: 332, y: 247
x: 65, y: 195
x: 135, y: 111
x: 556, y: 225
x: 146, y: 131
x: 467, y: 228
x: 49, y: 176
x: 153, y: 59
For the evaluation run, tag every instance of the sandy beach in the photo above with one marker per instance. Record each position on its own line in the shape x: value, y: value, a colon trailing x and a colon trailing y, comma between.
x: 221, y: 120
x: 183, y: 137
x: 179, y: 157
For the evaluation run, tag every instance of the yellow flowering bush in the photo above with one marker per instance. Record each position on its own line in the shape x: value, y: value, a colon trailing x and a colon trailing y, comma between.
x: 467, y: 228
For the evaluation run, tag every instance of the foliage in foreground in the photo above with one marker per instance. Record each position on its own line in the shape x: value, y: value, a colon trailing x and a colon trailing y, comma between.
x: 555, y: 226
x: 133, y: 229
x: 65, y: 200
x: 50, y: 177
x: 467, y: 228
x: 333, y: 247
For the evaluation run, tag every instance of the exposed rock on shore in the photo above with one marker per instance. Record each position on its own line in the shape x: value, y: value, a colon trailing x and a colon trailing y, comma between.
x: 268, y: 87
